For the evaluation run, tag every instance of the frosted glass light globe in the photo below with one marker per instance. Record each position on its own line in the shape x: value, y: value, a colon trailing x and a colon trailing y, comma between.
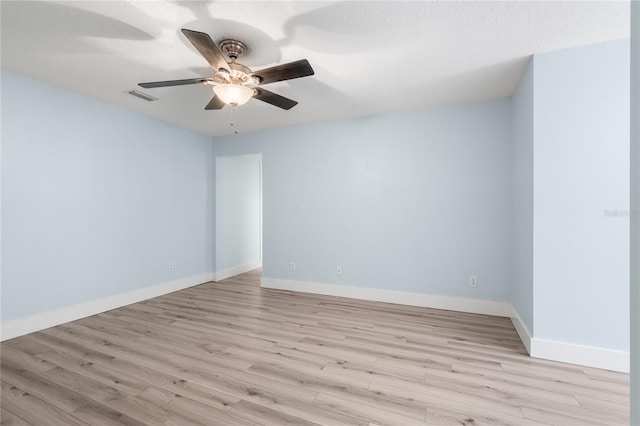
x: 233, y: 94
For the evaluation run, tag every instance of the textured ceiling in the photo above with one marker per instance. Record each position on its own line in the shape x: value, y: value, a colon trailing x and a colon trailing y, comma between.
x: 369, y: 57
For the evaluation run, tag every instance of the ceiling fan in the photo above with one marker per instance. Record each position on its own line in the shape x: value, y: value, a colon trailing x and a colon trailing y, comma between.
x: 233, y: 83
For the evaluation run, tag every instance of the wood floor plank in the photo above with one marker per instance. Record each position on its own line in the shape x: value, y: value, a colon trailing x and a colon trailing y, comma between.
x: 7, y: 418
x: 408, y: 407
x: 204, y: 414
x: 34, y: 410
x: 504, y: 387
x: 67, y: 400
x: 18, y: 357
x: 96, y: 372
x: 267, y: 416
x: 554, y: 418
x: 104, y: 416
x: 443, y: 397
x: 232, y: 353
x: 559, y: 386
x: 43, y: 388
x: 471, y: 416
x: 108, y: 396
x: 356, y: 409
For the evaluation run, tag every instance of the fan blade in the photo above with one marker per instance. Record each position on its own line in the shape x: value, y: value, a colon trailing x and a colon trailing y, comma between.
x: 274, y: 99
x: 215, y: 103
x: 175, y: 82
x: 296, y: 69
x: 207, y: 48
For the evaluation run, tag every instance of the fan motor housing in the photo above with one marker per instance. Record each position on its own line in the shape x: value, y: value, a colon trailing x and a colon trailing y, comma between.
x: 239, y: 67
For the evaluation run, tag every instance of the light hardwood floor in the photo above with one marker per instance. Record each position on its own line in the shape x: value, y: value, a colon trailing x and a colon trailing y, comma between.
x: 231, y: 353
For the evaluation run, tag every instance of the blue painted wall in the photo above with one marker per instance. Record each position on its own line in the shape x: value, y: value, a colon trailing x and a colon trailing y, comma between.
x: 635, y: 219
x: 416, y: 201
x: 521, y: 288
x: 96, y: 200
x: 581, y: 172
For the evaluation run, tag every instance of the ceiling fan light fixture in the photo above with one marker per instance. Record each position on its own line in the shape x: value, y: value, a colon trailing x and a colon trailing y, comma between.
x: 233, y: 83
x: 233, y: 94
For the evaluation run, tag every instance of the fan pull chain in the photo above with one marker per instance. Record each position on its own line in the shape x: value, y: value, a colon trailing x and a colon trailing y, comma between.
x: 233, y: 117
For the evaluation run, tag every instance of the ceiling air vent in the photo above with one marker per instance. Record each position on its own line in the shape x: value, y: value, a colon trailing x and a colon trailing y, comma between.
x: 141, y: 95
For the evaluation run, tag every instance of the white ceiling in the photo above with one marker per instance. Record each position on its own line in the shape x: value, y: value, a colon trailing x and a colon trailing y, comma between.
x: 369, y: 57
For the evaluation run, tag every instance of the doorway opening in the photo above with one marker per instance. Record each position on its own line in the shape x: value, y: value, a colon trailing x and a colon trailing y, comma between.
x: 238, y: 220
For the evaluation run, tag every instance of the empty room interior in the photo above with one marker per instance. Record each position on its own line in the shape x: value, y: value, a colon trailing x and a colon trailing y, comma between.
x: 320, y: 213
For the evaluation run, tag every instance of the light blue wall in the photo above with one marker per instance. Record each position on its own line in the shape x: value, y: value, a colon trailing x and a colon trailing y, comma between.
x: 635, y: 208
x: 96, y: 200
x: 416, y: 201
x: 237, y: 210
x: 581, y: 170
x: 521, y: 288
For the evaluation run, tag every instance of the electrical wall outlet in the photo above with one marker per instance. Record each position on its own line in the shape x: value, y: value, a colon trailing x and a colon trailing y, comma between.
x: 339, y: 270
x: 473, y: 281
x: 292, y: 266
x: 172, y: 267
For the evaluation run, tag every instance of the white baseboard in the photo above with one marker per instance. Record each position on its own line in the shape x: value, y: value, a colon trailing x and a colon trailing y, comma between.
x: 588, y: 356
x: 29, y: 324
x: 460, y: 304
x: 522, y: 330
x: 538, y: 348
x: 236, y: 270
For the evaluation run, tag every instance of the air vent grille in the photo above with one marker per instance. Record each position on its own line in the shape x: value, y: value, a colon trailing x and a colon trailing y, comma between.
x: 141, y: 95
